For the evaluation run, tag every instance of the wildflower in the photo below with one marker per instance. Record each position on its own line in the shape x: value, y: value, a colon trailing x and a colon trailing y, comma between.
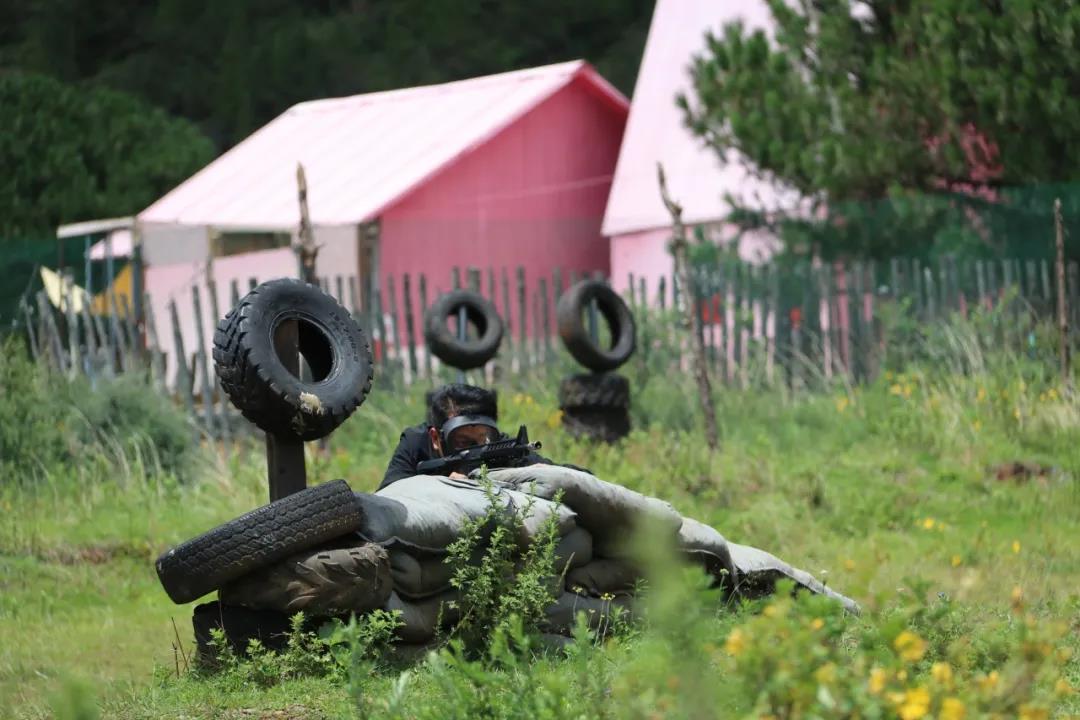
x: 888, y: 375
x: 942, y: 673
x: 554, y: 419
x: 735, y: 643
x: 1017, y: 598
x: 910, y: 646
x: 981, y: 395
x: 849, y: 564
x: 1016, y: 413
x: 895, y: 389
x: 952, y: 709
x: 817, y: 624
x: 826, y: 673
x: 976, y: 426
x: 956, y: 560
x: 928, y: 524
x: 841, y: 404
x: 1052, y: 393
x: 877, y: 680
x: 1063, y: 688
x: 908, y: 390
x: 1016, y: 547
x: 1029, y: 712
x: 988, y: 683
x: 915, y: 705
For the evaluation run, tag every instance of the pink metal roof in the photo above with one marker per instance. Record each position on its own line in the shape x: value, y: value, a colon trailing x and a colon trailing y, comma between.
x: 655, y: 130
x: 360, y: 153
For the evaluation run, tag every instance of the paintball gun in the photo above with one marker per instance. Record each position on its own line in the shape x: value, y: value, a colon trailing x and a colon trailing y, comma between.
x: 501, y: 453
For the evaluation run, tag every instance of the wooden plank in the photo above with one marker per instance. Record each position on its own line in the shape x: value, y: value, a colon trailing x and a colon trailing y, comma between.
x: 252, y: 284
x: 205, y: 383
x: 106, y: 351
x: 744, y: 330
x: 234, y: 293
x: 92, y: 350
x: 380, y: 322
x: 116, y: 333
x: 537, y: 343
x: 410, y: 331
x: 931, y: 299
x: 661, y: 292
x: 399, y: 351
x: 773, y: 280
x: 859, y: 344
x: 1048, y: 295
x: 223, y: 420
x: 523, y: 316
x: 545, y: 308
x: 556, y: 284
x: 35, y: 348
x: 157, y: 360
x: 354, y: 300
x: 183, y: 376
x: 68, y: 302
x: 423, y: 322
x: 474, y: 279
x: 507, y: 312
x: 823, y: 316
x: 51, y: 333
x: 492, y: 296
x: 1030, y: 291
x: 339, y: 286
x: 456, y: 277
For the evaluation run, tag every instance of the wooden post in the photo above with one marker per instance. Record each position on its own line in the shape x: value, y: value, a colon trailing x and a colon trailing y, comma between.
x: 491, y: 285
x: 701, y: 373
x: 252, y: 283
x: 35, y: 351
x: 399, y: 356
x: 556, y: 284
x: 661, y: 291
x: 507, y: 313
x: 157, y: 365
x: 410, y: 334
x: 546, y: 315
x: 223, y: 415
x: 68, y: 302
x: 204, y: 366
x: 93, y: 355
x: 339, y: 286
x: 50, y: 333
x: 423, y: 316
x: 306, y: 250
x: 183, y: 377
x: 523, y: 315
x: 380, y: 320
x: 1062, y: 308
x: 285, y: 469
x: 234, y: 293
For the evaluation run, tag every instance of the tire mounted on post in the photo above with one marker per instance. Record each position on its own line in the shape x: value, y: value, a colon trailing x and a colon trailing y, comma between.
x: 575, y: 334
x: 259, y: 538
x: 335, y: 349
x: 463, y: 354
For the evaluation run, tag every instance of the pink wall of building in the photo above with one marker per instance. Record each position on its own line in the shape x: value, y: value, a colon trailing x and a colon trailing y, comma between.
x: 532, y: 196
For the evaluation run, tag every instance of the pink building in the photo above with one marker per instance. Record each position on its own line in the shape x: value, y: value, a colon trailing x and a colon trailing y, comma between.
x: 495, y: 172
x: 636, y: 220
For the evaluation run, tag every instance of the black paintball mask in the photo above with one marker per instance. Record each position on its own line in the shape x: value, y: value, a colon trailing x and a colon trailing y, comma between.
x: 462, y: 431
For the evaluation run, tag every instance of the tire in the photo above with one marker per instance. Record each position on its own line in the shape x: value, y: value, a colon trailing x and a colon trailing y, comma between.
x: 240, y: 625
x: 575, y: 335
x: 605, y: 390
x: 259, y: 538
x: 259, y: 384
x: 467, y: 354
x: 606, y: 425
x: 326, y: 581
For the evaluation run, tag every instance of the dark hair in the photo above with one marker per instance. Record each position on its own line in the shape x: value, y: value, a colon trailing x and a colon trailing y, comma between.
x: 460, y: 399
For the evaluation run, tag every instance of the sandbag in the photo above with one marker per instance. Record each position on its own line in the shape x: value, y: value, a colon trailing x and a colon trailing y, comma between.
x: 573, y: 550
x: 559, y: 616
x: 421, y: 619
x: 319, y: 582
x: 609, y: 512
x: 430, y: 512
x: 419, y: 576
x: 758, y: 572
x: 603, y: 576
x: 707, y: 546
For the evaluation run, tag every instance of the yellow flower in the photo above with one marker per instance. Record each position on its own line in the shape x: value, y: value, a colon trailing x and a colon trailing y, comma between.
x: 1016, y: 413
x: 952, y: 709
x: 888, y: 375
x: 942, y: 673
x: 817, y: 624
x: 907, y: 390
x: 1016, y: 547
x: 976, y: 426
x: 910, y: 646
x: 849, y: 564
x: 735, y: 643
x: 1017, y: 598
x: 981, y: 395
x: 841, y: 404
x: 554, y: 419
x: 915, y: 705
x: 877, y: 680
x: 1052, y: 393
x: 1062, y: 687
x: 988, y: 683
x: 1028, y: 712
x: 956, y: 560
x: 826, y: 673
x: 895, y: 389
x: 928, y: 523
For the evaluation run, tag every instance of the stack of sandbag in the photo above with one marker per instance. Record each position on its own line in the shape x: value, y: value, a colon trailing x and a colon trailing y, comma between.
x: 416, y: 519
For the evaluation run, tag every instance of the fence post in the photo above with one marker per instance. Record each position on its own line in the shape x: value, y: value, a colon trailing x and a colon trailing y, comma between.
x: 546, y: 315
x: 423, y: 321
x: 31, y: 335
x: 92, y: 352
x: 183, y: 377
x: 204, y: 366
x: 406, y: 289
x: 223, y: 415
x: 234, y: 293
x: 399, y: 356
x: 523, y: 314
x: 49, y: 329
x: 68, y: 301
x: 507, y: 312
x: 1062, y: 309
x: 157, y: 367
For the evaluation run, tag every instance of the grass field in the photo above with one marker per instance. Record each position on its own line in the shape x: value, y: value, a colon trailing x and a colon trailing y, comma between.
x: 895, y: 494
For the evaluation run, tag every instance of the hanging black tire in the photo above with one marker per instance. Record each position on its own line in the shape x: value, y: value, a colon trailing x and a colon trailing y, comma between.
x: 603, y: 390
x: 334, y: 347
x: 258, y: 538
x: 463, y: 354
x: 575, y: 335
x: 606, y: 425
